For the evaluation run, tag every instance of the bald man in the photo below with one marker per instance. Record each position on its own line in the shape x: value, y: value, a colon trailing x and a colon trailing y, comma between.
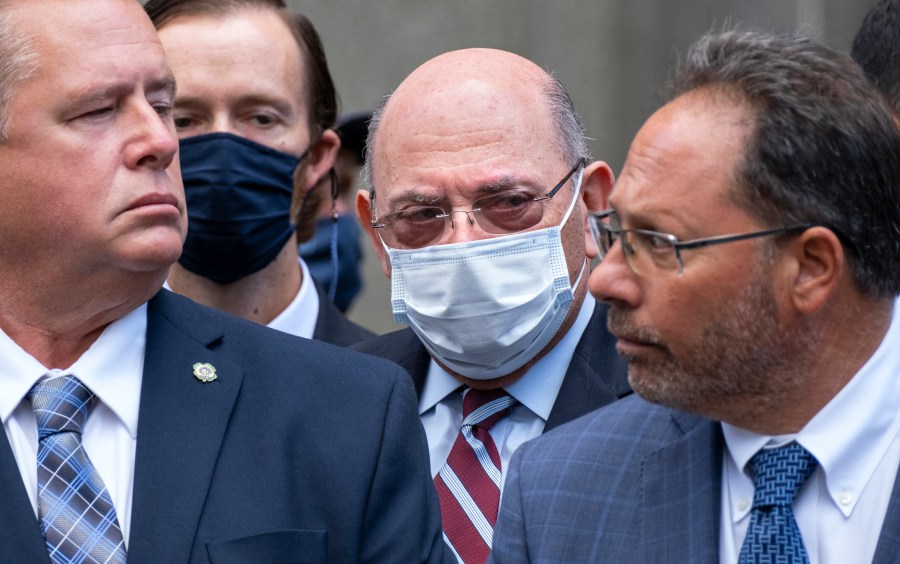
x: 478, y: 186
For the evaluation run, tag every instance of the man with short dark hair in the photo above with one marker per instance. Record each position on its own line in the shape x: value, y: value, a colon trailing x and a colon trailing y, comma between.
x: 137, y: 423
x: 255, y: 111
x: 479, y: 186
x: 876, y: 48
x: 749, y: 257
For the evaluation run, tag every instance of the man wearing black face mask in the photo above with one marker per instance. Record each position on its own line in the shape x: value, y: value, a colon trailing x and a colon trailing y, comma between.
x: 254, y: 111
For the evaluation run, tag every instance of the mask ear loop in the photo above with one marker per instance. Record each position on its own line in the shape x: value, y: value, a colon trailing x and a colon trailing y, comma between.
x: 332, y: 290
x: 333, y: 250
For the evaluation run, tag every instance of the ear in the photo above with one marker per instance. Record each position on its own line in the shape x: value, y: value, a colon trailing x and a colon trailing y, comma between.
x: 322, y: 155
x: 815, y: 269
x: 596, y: 186
x: 364, y: 213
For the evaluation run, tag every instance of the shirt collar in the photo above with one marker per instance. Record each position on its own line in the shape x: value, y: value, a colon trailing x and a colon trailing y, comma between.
x: 111, y: 368
x: 851, y: 434
x: 299, y: 317
x: 537, y: 389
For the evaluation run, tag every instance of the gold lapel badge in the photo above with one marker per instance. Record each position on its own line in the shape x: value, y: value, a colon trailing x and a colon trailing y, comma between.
x: 205, y: 372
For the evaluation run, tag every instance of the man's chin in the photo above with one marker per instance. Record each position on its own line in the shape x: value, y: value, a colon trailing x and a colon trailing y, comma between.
x: 661, y: 386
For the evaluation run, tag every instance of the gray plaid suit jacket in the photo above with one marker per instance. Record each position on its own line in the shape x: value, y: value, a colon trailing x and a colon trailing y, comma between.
x: 633, y: 482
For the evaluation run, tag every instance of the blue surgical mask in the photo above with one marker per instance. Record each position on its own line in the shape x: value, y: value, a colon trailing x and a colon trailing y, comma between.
x: 238, y: 196
x: 335, y: 251
x: 485, y: 308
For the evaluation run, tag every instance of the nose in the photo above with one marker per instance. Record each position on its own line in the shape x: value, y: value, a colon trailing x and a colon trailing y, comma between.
x: 221, y: 122
x: 461, y: 229
x: 613, y: 281
x: 154, y: 143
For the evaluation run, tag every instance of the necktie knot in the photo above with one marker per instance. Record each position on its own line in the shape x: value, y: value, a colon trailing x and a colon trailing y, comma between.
x: 483, y: 408
x: 778, y: 474
x: 60, y: 405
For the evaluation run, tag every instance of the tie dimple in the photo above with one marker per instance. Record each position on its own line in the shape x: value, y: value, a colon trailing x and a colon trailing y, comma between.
x: 773, y: 535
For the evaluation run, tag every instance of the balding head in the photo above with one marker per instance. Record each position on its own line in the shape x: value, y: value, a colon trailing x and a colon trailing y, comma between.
x: 479, y: 145
x: 470, y: 86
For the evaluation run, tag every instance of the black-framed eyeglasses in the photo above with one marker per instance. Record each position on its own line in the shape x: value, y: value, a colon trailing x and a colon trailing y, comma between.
x: 647, y: 250
x: 503, y: 213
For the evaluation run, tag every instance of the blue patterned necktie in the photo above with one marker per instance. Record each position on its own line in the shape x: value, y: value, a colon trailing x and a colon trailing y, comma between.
x: 77, y: 515
x: 773, y: 536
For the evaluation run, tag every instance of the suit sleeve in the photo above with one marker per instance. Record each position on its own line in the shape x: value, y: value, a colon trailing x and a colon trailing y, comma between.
x: 402, y: 517
x: 509, y: 545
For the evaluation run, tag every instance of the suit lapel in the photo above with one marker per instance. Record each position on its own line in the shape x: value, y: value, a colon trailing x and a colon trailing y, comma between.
x: 888, y: 549
x: 682, y: 496
x: 20, y: 533
x: 596, y: 376
x: 181, y: 426
x: 404, y: 348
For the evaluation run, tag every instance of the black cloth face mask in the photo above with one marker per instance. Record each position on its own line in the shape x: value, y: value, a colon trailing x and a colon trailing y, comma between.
x: 238, y: 195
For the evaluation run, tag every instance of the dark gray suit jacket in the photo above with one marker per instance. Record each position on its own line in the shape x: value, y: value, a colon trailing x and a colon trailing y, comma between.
x: 631, y: 483
x: 299, y: 451
x: 597, y: 375
x: 332, y: 326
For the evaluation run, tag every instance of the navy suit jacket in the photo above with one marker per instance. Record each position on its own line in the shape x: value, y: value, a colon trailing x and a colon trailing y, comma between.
x: 632, y: 483
x: 332, y: 326
x: 299, y: 452
x: 597, y: 375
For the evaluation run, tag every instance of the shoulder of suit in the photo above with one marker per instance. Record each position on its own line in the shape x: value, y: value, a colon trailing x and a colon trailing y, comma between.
x: 257, y: 347
x: 628, y: 427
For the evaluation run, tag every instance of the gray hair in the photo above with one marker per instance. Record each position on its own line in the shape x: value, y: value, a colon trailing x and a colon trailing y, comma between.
x: 18, y: 62
x: 568, y: 128
x: 822, y: 149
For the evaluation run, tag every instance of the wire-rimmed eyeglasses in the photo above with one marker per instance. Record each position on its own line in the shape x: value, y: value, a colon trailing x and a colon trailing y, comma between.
x: 645, y: 250
x: 503, y: 213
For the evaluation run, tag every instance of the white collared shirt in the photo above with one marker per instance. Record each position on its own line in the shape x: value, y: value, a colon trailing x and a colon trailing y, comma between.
x: 440, y: 404
x: 856, y: 439
x: 299, y: 317
x: 112, y: 368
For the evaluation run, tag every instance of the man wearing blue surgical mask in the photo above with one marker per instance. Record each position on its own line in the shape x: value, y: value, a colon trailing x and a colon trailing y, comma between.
x: 254, y: 112
x: 479, y: 186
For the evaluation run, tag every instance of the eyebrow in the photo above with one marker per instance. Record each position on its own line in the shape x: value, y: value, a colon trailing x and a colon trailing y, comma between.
x: 165, y: 84
x: 502, y: 183
x: 92, y: 93
x: 281, y: 105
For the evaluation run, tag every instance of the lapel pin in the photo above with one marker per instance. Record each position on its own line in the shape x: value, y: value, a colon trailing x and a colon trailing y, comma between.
x: 205, y: 372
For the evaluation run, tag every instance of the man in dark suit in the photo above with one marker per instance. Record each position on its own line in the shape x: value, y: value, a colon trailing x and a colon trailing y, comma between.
x: 136, y: 421
x: 750, y: 258
x: 255, y: 112
x: 479, y: 184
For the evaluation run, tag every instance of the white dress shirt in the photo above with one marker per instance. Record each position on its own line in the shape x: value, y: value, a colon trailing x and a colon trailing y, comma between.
x: 440, y: 405
x: 299, y: 317
x: 111, y: 368
x: 856, y: 439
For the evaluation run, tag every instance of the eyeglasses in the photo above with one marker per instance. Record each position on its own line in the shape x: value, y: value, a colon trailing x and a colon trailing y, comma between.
x: 506, y: 212
x: 648, y: 250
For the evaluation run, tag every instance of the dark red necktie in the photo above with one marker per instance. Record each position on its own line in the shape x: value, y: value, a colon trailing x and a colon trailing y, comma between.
x: 469, y: 483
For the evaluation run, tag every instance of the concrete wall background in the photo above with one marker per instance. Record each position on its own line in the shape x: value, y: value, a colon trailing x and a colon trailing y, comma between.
x: 613, y: 56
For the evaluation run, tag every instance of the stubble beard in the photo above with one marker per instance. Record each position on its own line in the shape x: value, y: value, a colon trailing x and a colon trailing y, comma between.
x: 743, y: 365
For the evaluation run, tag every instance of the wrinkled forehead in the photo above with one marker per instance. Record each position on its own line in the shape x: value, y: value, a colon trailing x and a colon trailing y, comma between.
x: 96, y: 28
x: 683, y: 160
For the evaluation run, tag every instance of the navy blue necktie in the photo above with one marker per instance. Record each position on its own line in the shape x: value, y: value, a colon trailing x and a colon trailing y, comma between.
x: 77, y: 515
x: 773, y: 536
